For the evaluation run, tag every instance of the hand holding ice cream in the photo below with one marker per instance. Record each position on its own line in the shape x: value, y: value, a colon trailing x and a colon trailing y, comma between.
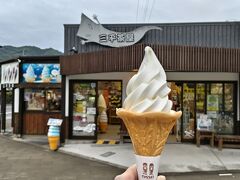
x: 147, y: 114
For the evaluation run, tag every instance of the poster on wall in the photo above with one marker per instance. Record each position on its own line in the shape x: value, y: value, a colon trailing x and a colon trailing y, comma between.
x: 41, y: 73
x: 212, y: 103
x: 10, y: 73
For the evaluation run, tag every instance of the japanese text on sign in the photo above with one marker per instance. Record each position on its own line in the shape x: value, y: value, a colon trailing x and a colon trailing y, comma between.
x: 119, y: 37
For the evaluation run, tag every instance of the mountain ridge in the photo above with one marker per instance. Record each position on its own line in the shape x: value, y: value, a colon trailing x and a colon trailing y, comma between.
x: 10, y: 52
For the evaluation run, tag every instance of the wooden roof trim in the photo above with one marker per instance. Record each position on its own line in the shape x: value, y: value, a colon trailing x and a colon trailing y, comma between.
x: 172, y: 57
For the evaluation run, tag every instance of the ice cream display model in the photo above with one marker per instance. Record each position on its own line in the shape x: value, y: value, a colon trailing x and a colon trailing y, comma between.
x: 102, y: 117
x: 53, y: 137
x: 147, y: 114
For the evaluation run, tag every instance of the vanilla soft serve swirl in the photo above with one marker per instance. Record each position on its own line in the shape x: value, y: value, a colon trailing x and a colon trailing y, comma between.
x: 147, y: 91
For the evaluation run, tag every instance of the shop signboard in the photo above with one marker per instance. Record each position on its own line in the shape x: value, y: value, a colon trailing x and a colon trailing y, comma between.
x: 54, y: 122
x: 10, y: 73
x: 91, y: 111
x: 41, y: 73
x: 204, y: 123
x: 90, y: 31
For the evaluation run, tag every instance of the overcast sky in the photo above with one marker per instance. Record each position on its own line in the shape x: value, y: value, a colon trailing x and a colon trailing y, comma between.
x: 40, y: 22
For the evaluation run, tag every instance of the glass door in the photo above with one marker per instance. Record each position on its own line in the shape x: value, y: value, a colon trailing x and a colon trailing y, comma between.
x: 220, y: 106
x: 83, y: 110
x: 228, y: 115
x: 215, y: 109
x: 188, y: 117
x: 176, y: 97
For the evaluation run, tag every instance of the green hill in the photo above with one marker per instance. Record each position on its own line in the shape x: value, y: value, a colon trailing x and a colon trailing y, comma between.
x: 8, y: 52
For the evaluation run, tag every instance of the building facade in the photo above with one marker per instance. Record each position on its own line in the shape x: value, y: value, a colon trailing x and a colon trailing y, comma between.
x: 202, y: 62
x: 35, y: 86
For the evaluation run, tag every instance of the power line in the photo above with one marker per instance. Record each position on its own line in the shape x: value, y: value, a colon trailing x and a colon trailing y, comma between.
x: 145, y: 10
x: 151, y: 10
x: 137, y: 11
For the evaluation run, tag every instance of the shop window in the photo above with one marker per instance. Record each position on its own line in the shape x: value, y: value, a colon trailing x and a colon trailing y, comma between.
x: 84, y: 109
x: 228, y: 104
x: 53, y: 100
x: 112, y: 93
x: 175, y: 97
x: 220, y: 107
x: 42, y: 100
x: 34, y: 99
x: 228, y: 114
x: 200, y: 98
x: 188, y: 110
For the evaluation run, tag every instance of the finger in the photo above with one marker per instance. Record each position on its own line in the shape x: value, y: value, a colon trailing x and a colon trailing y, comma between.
x: 161, y: 178
x: 118, y: 177
x: 129, y: 174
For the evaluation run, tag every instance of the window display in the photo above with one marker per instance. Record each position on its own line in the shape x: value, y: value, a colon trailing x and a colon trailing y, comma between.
x: 53, y: 100
x: 228, y: 107
x: 42, y: 100
x: 188, y: 110
x: 176, y: 98
x: 84, y: 109
x: 211, y: 100
x: 34, y: 99
x: 200, y: 98
x: 112, y: 92
x: 221, y: 113
x: 228, y: 97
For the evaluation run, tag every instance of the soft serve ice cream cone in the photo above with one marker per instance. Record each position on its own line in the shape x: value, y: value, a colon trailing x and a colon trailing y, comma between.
x: 30, y: 76
x: 46, y: 77
x: 147, y: 114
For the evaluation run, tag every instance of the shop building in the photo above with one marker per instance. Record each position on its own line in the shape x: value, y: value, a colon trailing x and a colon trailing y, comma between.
x: 202, y: 62
x: 9, y: 79
x: 35, y: 83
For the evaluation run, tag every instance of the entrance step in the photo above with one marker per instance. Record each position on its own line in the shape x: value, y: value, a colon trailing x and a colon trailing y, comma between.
x: 110, y: 142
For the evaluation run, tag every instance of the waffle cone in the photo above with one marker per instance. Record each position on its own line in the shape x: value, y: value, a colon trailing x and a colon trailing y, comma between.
x: 148, y: 131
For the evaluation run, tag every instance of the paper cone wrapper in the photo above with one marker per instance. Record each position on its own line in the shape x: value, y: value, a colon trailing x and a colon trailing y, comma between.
x: 53, y: 142
x: 147, y: 167
x: 149, y: 130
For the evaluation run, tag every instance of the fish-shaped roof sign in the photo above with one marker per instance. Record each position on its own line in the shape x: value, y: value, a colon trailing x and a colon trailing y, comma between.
x: 89, y: 31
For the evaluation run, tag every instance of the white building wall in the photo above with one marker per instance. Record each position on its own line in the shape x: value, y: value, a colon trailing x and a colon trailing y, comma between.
x: 16, y: 100
x: 171, y: 76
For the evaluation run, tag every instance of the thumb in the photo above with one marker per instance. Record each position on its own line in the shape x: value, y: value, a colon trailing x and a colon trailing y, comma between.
x: 161, y: 178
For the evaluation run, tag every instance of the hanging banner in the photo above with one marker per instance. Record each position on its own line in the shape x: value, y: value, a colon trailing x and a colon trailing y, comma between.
x: 41, y: 73
x: 10, y: 73
x: 90, y: 31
